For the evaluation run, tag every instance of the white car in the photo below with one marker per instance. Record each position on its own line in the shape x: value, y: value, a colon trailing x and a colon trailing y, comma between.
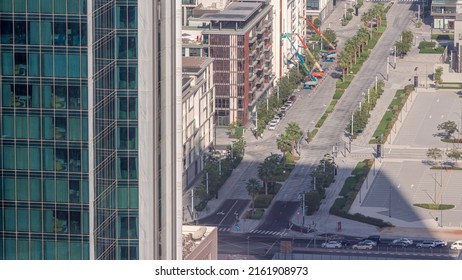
x: 456, y: 245
x: 332, y: 245
x: 361, y: 246
x: 289, y: 103
x: 276, y: 118
x: 406, y: 240
x: 272, y: 125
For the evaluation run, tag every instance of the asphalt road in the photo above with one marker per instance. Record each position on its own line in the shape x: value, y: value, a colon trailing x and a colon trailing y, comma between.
x: 279, y: 216
x: 227, y: 214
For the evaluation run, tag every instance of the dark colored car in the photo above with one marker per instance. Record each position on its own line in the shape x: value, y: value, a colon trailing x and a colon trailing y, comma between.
x: 293, y: 98
x: 375, y: 238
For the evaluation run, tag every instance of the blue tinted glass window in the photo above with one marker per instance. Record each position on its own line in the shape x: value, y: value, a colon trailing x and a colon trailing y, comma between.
x: 7, y: 64
x: 34, y: 64
x: 60, y: 65
x: 6, y: 6
x: 23, y: 220
x: 19, y: 6
x: 46, y: 6
x: 22, y: 189
x: 33, y: 6
x: 10, y: 247
x: 35, y: 220
x: 9, y: 189
x: 46, y: 34
x: 36, y: 248
x: 74, y: 65
x: 8, y: 157
x: 10, y: 218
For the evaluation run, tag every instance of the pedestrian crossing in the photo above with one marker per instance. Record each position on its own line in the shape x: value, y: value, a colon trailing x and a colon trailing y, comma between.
x: 255, y: 231
x: 268, y: 232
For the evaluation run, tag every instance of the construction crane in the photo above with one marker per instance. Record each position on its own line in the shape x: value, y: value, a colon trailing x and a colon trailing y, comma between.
x: 331, y: 46
x: 310, y: 80
x: 320, y: 72
x: 300, y: 58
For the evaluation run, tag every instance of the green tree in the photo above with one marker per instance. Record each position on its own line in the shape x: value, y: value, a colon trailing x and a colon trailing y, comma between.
x: 367, y: 19
x: 294, y: 133
x: 342, y: 62
x: 330, y: 35
x: 284, y: 144
x: 438, y: 75
x: 253, y: 187
x: 268, y: 169
x: 434, y: 153
x: 317, y: 22
x: 449, y: 127
x: 454, y: 154
x: 312, y: 202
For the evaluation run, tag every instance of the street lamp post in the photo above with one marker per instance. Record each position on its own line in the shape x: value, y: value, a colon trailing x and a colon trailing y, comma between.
x: 394, y: 59
x: 207, y: 182
x: 389, y: 202
x: 388, y: 67
x: 248, y: 245
x: 352, y: 123
x: 376, y: 81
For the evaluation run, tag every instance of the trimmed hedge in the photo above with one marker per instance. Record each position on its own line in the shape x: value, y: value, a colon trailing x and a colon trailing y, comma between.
x: 263, y: 201
x: 322, y: 120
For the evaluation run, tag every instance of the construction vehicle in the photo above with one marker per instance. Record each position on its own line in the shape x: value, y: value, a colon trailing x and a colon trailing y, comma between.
x: 310, y: 80
x: 320, y: 72
x: 332, y: 48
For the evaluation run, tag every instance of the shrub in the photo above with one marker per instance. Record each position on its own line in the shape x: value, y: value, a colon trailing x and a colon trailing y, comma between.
x: 426, y: 45
x: 263, y: 201
x: 322, y: 120
x: 338, y: 94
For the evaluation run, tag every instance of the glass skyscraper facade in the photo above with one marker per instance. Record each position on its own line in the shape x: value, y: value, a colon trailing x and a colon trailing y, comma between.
x: 44, y: 130
x: 69, y: 162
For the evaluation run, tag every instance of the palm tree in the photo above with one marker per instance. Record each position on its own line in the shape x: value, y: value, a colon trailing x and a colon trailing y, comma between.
x: 253, y: 187
x: 379, y: 10
x: 367, y: 18
x: 265, y: 173
x: 294, y: 133
x: 364, y: 37
x: 349, y: 49
x: 284, y: 144
x: 342, y: 62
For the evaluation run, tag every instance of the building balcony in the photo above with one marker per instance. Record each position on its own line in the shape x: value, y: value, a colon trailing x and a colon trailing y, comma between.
x: 253, y: 39
x: 267, y: 23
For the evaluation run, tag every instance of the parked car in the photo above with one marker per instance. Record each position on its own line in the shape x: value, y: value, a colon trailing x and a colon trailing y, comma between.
x: 362, y: 246
x: 284, y: 109
x: 367, y: 241
x: 375, y: 238
x: 293, y: 98
x: 289, y: 103
x: 456, y: 245
x: 276, y: 118
x: 281, y: 114
x: 441, y: 243
x: 397, y: 243
x: 332, y: 244
x: 426, y: 244
x: 406, y: 240
x: 272, y: 125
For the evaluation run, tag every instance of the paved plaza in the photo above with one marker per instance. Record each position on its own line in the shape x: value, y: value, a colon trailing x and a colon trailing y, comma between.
x: 404, y: 177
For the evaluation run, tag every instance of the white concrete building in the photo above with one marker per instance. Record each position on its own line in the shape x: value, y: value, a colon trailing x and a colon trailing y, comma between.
x: 198, y: 114
x: 321, y: 8
x: 287, y: 19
